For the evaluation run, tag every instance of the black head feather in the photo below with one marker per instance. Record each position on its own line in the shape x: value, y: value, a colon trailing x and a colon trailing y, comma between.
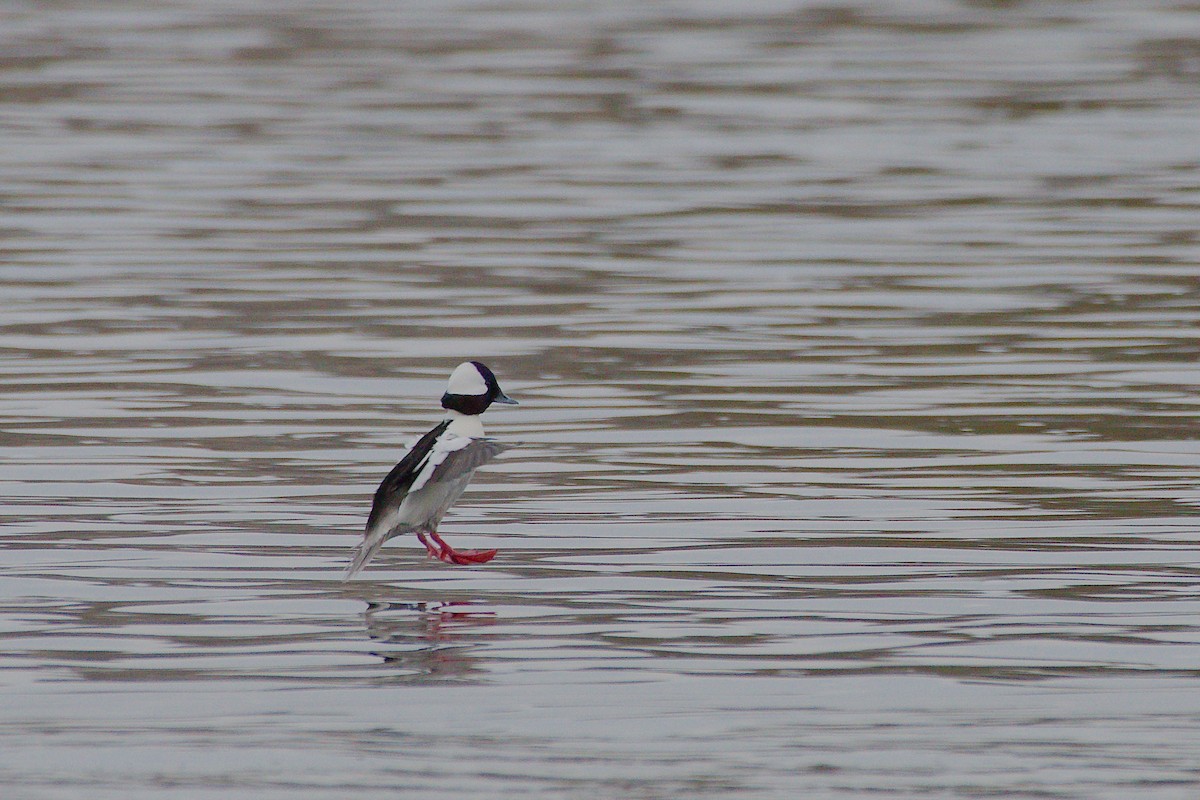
x: 477, y: 403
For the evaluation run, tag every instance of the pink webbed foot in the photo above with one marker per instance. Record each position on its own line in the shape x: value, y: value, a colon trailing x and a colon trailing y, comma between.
x: 452, y: 556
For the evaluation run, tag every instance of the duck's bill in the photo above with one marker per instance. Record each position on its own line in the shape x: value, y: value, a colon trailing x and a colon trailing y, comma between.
x: 505, y: 399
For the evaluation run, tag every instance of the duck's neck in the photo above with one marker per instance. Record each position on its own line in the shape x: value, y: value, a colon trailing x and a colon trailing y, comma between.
x: 469, y: 425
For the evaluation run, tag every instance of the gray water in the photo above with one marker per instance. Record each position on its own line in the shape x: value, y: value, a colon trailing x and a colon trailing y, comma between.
x: 856, y: 346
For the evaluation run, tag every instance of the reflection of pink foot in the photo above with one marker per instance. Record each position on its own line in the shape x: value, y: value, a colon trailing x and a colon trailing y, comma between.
x: 451, y: 556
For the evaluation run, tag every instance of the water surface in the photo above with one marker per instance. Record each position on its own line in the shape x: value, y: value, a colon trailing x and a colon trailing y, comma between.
x: 856, y: 351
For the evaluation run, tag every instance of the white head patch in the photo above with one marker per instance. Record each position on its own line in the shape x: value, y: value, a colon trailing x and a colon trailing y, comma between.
x: 466, y: 380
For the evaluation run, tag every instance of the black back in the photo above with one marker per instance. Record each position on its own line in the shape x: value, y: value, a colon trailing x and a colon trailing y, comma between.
x: 397, y: 483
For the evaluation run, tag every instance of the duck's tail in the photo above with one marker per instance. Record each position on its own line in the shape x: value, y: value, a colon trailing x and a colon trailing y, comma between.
x: 365, y: 551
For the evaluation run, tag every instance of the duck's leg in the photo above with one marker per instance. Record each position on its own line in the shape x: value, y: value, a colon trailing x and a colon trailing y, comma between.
x: 452, y: 556
x: 434, y: 551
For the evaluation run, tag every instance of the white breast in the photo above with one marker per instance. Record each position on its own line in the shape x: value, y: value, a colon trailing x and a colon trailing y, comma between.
x: 468, y: 425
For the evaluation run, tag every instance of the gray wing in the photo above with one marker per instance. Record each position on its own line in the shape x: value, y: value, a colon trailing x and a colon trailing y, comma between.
x: 450, y: 465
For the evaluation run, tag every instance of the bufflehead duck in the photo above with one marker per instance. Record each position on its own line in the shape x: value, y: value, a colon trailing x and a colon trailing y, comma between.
x: 434, y: 472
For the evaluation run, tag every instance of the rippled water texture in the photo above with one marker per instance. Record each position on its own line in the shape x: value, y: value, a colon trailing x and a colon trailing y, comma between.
x: 856, y: 346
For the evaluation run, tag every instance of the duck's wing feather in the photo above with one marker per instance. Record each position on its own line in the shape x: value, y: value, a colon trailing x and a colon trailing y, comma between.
x: 453, y: 458
x: 432, y: 462
x: 399, y: 481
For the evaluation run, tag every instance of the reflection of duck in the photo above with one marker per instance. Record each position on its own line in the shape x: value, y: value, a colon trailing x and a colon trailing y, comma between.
x: 435, y: 471
x: 428, y: 630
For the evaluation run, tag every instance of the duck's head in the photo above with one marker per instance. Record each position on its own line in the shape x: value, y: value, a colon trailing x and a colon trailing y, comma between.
x: 472, y: 388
